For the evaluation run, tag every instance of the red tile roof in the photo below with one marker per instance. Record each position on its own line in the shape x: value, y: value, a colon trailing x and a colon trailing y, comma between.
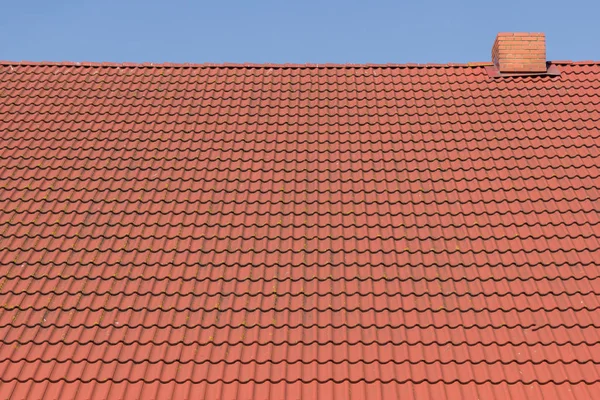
x: 196, y: 231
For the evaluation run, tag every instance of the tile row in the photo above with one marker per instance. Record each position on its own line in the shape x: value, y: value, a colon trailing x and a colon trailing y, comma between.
x: 274, y: 299
x: 258, y: 284
x: 312, y: 390
x: 21, y: 98
x: 274, y: 255
x: 496, y: 337
x: 314, y: 209
x: 249, y: 352
x: 403, y: 269
x: 310, y: 133
x: 283, y: 317
x: 345, y: 371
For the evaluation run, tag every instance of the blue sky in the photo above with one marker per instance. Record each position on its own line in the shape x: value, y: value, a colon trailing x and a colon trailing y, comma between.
x: 295, y: 31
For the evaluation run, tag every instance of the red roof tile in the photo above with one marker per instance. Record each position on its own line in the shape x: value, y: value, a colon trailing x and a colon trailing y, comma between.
x: 268, y: 231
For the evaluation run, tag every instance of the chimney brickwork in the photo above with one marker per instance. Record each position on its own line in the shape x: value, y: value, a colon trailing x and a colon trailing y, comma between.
x: 520, y: 52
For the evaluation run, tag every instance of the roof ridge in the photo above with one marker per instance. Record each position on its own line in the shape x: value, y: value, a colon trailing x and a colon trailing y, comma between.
x: 241, y: 65
x: 269, y: 65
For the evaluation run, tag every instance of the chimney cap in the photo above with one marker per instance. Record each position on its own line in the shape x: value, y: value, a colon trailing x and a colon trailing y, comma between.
x: 521, y: 34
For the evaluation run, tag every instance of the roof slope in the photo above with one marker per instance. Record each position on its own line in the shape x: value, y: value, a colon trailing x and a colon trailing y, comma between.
x: 284, y: 232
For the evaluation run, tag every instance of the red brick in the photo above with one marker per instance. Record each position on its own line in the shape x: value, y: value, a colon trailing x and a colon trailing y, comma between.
x: 520, y: 51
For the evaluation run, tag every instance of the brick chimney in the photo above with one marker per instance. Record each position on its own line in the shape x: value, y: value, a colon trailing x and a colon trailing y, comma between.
x: 520, y: 53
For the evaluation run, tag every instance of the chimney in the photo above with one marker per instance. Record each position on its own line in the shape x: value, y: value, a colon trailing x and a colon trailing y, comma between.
x: 520, y: 53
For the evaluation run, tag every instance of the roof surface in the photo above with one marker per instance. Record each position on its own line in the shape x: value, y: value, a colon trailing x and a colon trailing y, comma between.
x: 272, y: 232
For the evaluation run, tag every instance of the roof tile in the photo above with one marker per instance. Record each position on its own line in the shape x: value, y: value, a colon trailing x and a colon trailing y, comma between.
x: 269, y: 231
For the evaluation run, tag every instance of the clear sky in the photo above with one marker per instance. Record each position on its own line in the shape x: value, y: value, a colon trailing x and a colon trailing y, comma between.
x: 294, y: 31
